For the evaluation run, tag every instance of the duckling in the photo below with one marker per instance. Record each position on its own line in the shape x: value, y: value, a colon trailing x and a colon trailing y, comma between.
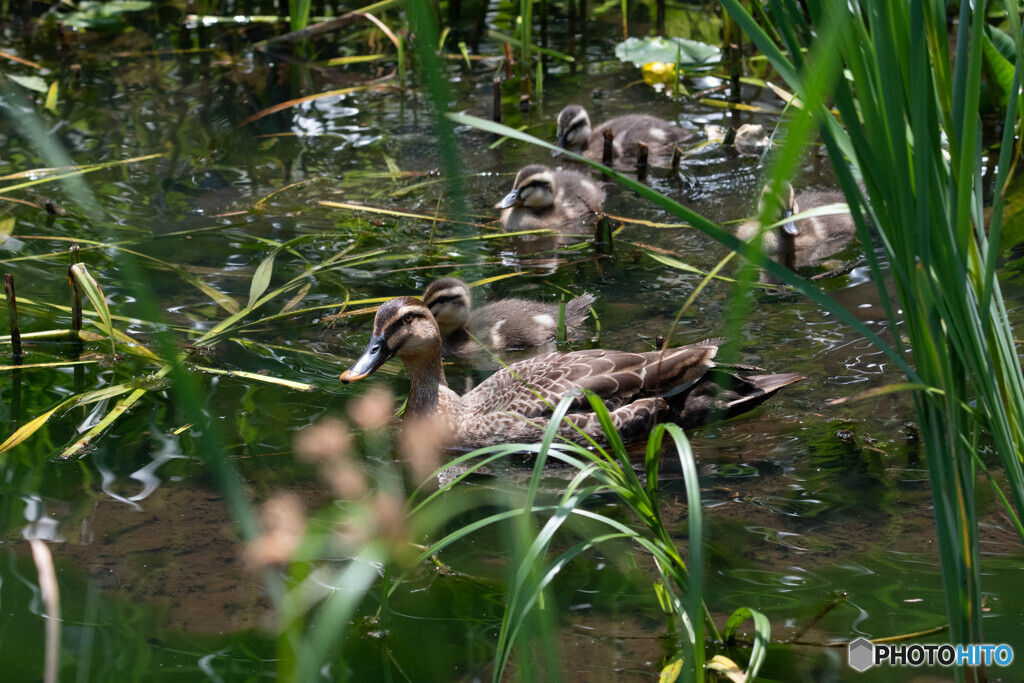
x: 515, y: 403
x: 545, y: 198
x: 575, y: 135
x: 805, y: 241
x: 502, y: 325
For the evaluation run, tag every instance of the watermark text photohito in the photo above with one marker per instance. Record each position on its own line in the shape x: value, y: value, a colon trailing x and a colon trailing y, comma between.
x: 864, y: 654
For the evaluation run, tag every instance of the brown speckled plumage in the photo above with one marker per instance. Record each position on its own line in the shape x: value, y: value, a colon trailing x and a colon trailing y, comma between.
x: 575, y: 134
x: 556, y: 199
x: 816, y: 238
x: 513, y: 404
x: 502, y: 325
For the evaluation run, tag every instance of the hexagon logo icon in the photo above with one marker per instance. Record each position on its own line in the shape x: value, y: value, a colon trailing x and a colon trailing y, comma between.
x: 862, y: 654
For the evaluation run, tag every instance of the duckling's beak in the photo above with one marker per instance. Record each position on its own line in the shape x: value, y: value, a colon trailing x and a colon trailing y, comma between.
x: 561, y: 143
x: 376, y: 354
x: 509, y: 201
x: 790, y: 226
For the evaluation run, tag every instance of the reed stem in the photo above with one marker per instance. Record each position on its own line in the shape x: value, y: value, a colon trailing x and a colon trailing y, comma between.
x: 12, y: 307
x: 641, y: 161
x: 76, y: 294
x: 604, y: 243
x: 608, y: 155
x: 496, y: 107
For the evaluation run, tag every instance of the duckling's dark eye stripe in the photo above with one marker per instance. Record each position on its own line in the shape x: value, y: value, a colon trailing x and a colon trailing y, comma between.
x: 534, y: 183
x: 445, y: 299
x: 576, y: 125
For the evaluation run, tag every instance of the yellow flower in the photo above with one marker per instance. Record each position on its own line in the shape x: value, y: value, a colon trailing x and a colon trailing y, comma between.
x: 656, y: 73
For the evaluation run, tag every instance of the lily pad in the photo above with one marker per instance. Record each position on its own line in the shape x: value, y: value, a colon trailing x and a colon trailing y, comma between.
x: 103, y: 16
x: 642, y: 51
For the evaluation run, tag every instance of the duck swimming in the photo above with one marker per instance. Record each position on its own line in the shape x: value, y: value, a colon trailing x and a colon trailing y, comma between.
x: 560, y: 199
x: 515, y: 403
x: 806, y: 240
x: 502, y: 325
x: 575, y: 134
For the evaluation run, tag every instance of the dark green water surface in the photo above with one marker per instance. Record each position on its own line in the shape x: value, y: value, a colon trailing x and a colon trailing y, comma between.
x: 803, y: 501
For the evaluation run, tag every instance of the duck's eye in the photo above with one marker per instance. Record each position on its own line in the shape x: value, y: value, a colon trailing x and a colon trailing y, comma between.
x: 407, y: 319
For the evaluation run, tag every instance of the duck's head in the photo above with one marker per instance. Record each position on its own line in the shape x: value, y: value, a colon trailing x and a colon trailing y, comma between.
x: 780, y: 205
x: 403, y: 327
x: 573, y: 129
x: 449, y: 301
x: 534, y: 188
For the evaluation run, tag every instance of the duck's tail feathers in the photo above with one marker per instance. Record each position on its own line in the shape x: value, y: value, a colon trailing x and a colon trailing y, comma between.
x: 577, y: 310
x: 720, y: 395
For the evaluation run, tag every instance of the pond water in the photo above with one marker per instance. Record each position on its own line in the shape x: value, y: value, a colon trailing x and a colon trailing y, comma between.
x: 803, y: 502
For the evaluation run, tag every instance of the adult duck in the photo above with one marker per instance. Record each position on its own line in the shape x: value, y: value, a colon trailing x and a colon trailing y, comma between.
x: 515, y: 403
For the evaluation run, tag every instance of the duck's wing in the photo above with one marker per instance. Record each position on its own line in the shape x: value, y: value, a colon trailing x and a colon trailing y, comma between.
x: 532, y: 387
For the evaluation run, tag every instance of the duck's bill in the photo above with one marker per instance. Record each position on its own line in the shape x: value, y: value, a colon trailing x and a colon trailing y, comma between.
x: 375, y: 355
x: 561, y: 144
x: 790, y: 226
x: 509, y: 201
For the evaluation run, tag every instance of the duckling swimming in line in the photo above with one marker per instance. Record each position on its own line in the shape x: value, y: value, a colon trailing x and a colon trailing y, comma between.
x: 561, y: 199
x: 503, y: 325
x: 575, y: 135
x: 806, y: 240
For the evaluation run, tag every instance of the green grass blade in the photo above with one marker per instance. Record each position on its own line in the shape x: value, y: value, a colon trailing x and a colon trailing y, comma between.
x: 95, y: 294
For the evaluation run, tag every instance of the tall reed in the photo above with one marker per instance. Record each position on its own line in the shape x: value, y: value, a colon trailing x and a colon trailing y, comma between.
x: 886, y: 69
x: 897, y: 97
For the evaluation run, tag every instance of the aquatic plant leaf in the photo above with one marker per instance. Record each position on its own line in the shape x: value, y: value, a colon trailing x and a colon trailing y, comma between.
x: 882, y: 391
x: 298, y: 386
x: 670, y: 672
x: 103, y: 16
x: 308, y: 98
x: 675, y: 263
x: 762, y: 636
x: 515, y: 42
x: 95, y: 294
x: 642, y: 51
x: 53, y: 174
x: 999, y: 65
x: 726, y: 667
x: 297, y: 299
x: 1002, y: 42
x: 51, y: 98
x: 34, y: 83
x: 32, y: 426
x: 1012, y: 232
x: 353, y: 59
x: 117, y: 411
x: 20, y: 60
x: 56, y: 364
x: 261, y: 280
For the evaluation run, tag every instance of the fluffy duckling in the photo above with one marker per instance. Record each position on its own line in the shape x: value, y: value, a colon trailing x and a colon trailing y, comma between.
x: 502, y: 325
x: 575, y: 135
x: 515, y: 404
x: 545, y: 198
x: 804, y: 241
